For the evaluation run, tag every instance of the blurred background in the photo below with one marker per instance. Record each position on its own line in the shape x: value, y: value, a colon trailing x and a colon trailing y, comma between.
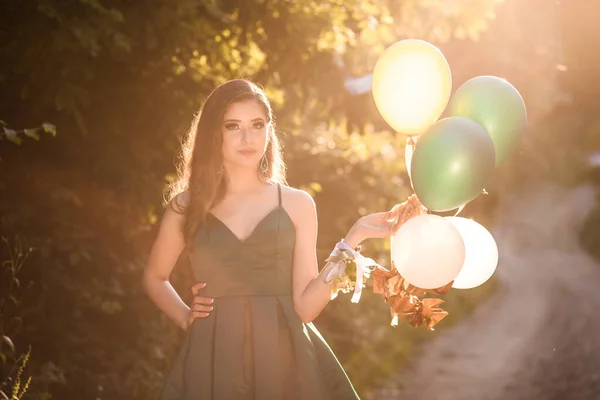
x: 94, y: 98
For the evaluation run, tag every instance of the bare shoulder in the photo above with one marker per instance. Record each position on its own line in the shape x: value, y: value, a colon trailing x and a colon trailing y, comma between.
x: 299, y: 204
x: 179, y: 202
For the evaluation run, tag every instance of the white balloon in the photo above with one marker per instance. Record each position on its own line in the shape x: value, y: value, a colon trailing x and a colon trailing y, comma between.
x: 428, y: 251
x: 481, y: 253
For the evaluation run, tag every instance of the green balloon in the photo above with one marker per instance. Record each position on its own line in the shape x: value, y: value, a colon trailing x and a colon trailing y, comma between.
x: 451, y: 163
x: 497, y: 106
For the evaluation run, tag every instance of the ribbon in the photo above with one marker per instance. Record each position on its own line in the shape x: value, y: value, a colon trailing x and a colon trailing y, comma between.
x: 409, y: 149
x: 348, y: 270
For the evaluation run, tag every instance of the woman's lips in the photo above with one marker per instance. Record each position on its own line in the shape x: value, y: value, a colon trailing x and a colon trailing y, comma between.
x: 248, y: 152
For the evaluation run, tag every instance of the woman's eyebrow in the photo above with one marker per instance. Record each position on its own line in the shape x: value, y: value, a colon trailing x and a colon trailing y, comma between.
x: 239, y: 120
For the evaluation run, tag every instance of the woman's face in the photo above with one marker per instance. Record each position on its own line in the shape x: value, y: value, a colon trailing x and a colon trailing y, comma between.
x: 245, y: 130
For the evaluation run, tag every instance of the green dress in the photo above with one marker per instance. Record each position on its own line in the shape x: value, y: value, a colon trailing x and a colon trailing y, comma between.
x: 253, y: 345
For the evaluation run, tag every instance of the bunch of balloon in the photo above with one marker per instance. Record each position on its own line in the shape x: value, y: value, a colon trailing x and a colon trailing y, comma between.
x: 449, y: 160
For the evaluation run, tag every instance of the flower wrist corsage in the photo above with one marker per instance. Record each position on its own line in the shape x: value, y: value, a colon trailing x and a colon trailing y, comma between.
x: 347, y: 270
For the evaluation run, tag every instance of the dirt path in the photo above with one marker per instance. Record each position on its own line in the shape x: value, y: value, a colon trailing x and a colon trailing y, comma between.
x: 538, y: 336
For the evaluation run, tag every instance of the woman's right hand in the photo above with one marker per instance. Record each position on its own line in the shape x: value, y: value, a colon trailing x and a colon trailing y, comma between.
x: 201, y: 306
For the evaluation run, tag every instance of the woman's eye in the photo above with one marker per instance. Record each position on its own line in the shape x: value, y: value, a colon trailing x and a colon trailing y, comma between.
x: 231, y: 126
x: 259, y: 125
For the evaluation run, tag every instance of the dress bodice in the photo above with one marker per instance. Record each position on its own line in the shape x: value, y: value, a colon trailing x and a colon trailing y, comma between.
x: 258, y: 265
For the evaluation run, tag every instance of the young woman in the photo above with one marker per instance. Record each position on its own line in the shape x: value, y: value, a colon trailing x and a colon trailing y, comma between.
x: 251, y: 241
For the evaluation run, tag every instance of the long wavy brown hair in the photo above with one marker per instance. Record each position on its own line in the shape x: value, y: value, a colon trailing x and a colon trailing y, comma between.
x: 200, y: 167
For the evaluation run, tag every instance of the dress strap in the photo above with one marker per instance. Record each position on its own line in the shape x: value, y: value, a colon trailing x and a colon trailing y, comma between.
x: 278, y: 224
x: 279, y: 193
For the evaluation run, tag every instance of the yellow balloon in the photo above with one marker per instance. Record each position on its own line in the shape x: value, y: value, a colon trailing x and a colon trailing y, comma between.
x: 412, y: 84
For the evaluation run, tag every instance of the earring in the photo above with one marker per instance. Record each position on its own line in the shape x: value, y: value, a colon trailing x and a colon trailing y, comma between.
x: 264, y: 164
x: 220, y: 171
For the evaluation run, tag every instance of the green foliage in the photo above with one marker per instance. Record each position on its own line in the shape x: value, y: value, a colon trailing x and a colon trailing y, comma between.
x: 15, y: 136
x: 19, y: 388
x: 65, y: 54
x: 10, y: 294
x: 13, y: 288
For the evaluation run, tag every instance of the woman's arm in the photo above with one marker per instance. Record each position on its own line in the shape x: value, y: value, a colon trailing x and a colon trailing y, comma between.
x: 165, y: 251
x: 311, y: 293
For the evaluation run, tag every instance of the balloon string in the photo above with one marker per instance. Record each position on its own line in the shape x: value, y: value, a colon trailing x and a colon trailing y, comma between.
x: 459, y: 210
x: 409, y: 149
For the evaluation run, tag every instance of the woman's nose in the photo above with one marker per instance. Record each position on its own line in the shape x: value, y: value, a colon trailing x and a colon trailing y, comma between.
x: 245, y: 133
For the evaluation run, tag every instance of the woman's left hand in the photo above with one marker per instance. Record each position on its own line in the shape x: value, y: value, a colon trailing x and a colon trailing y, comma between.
x: 377, y: 225
x: 383, y: 224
